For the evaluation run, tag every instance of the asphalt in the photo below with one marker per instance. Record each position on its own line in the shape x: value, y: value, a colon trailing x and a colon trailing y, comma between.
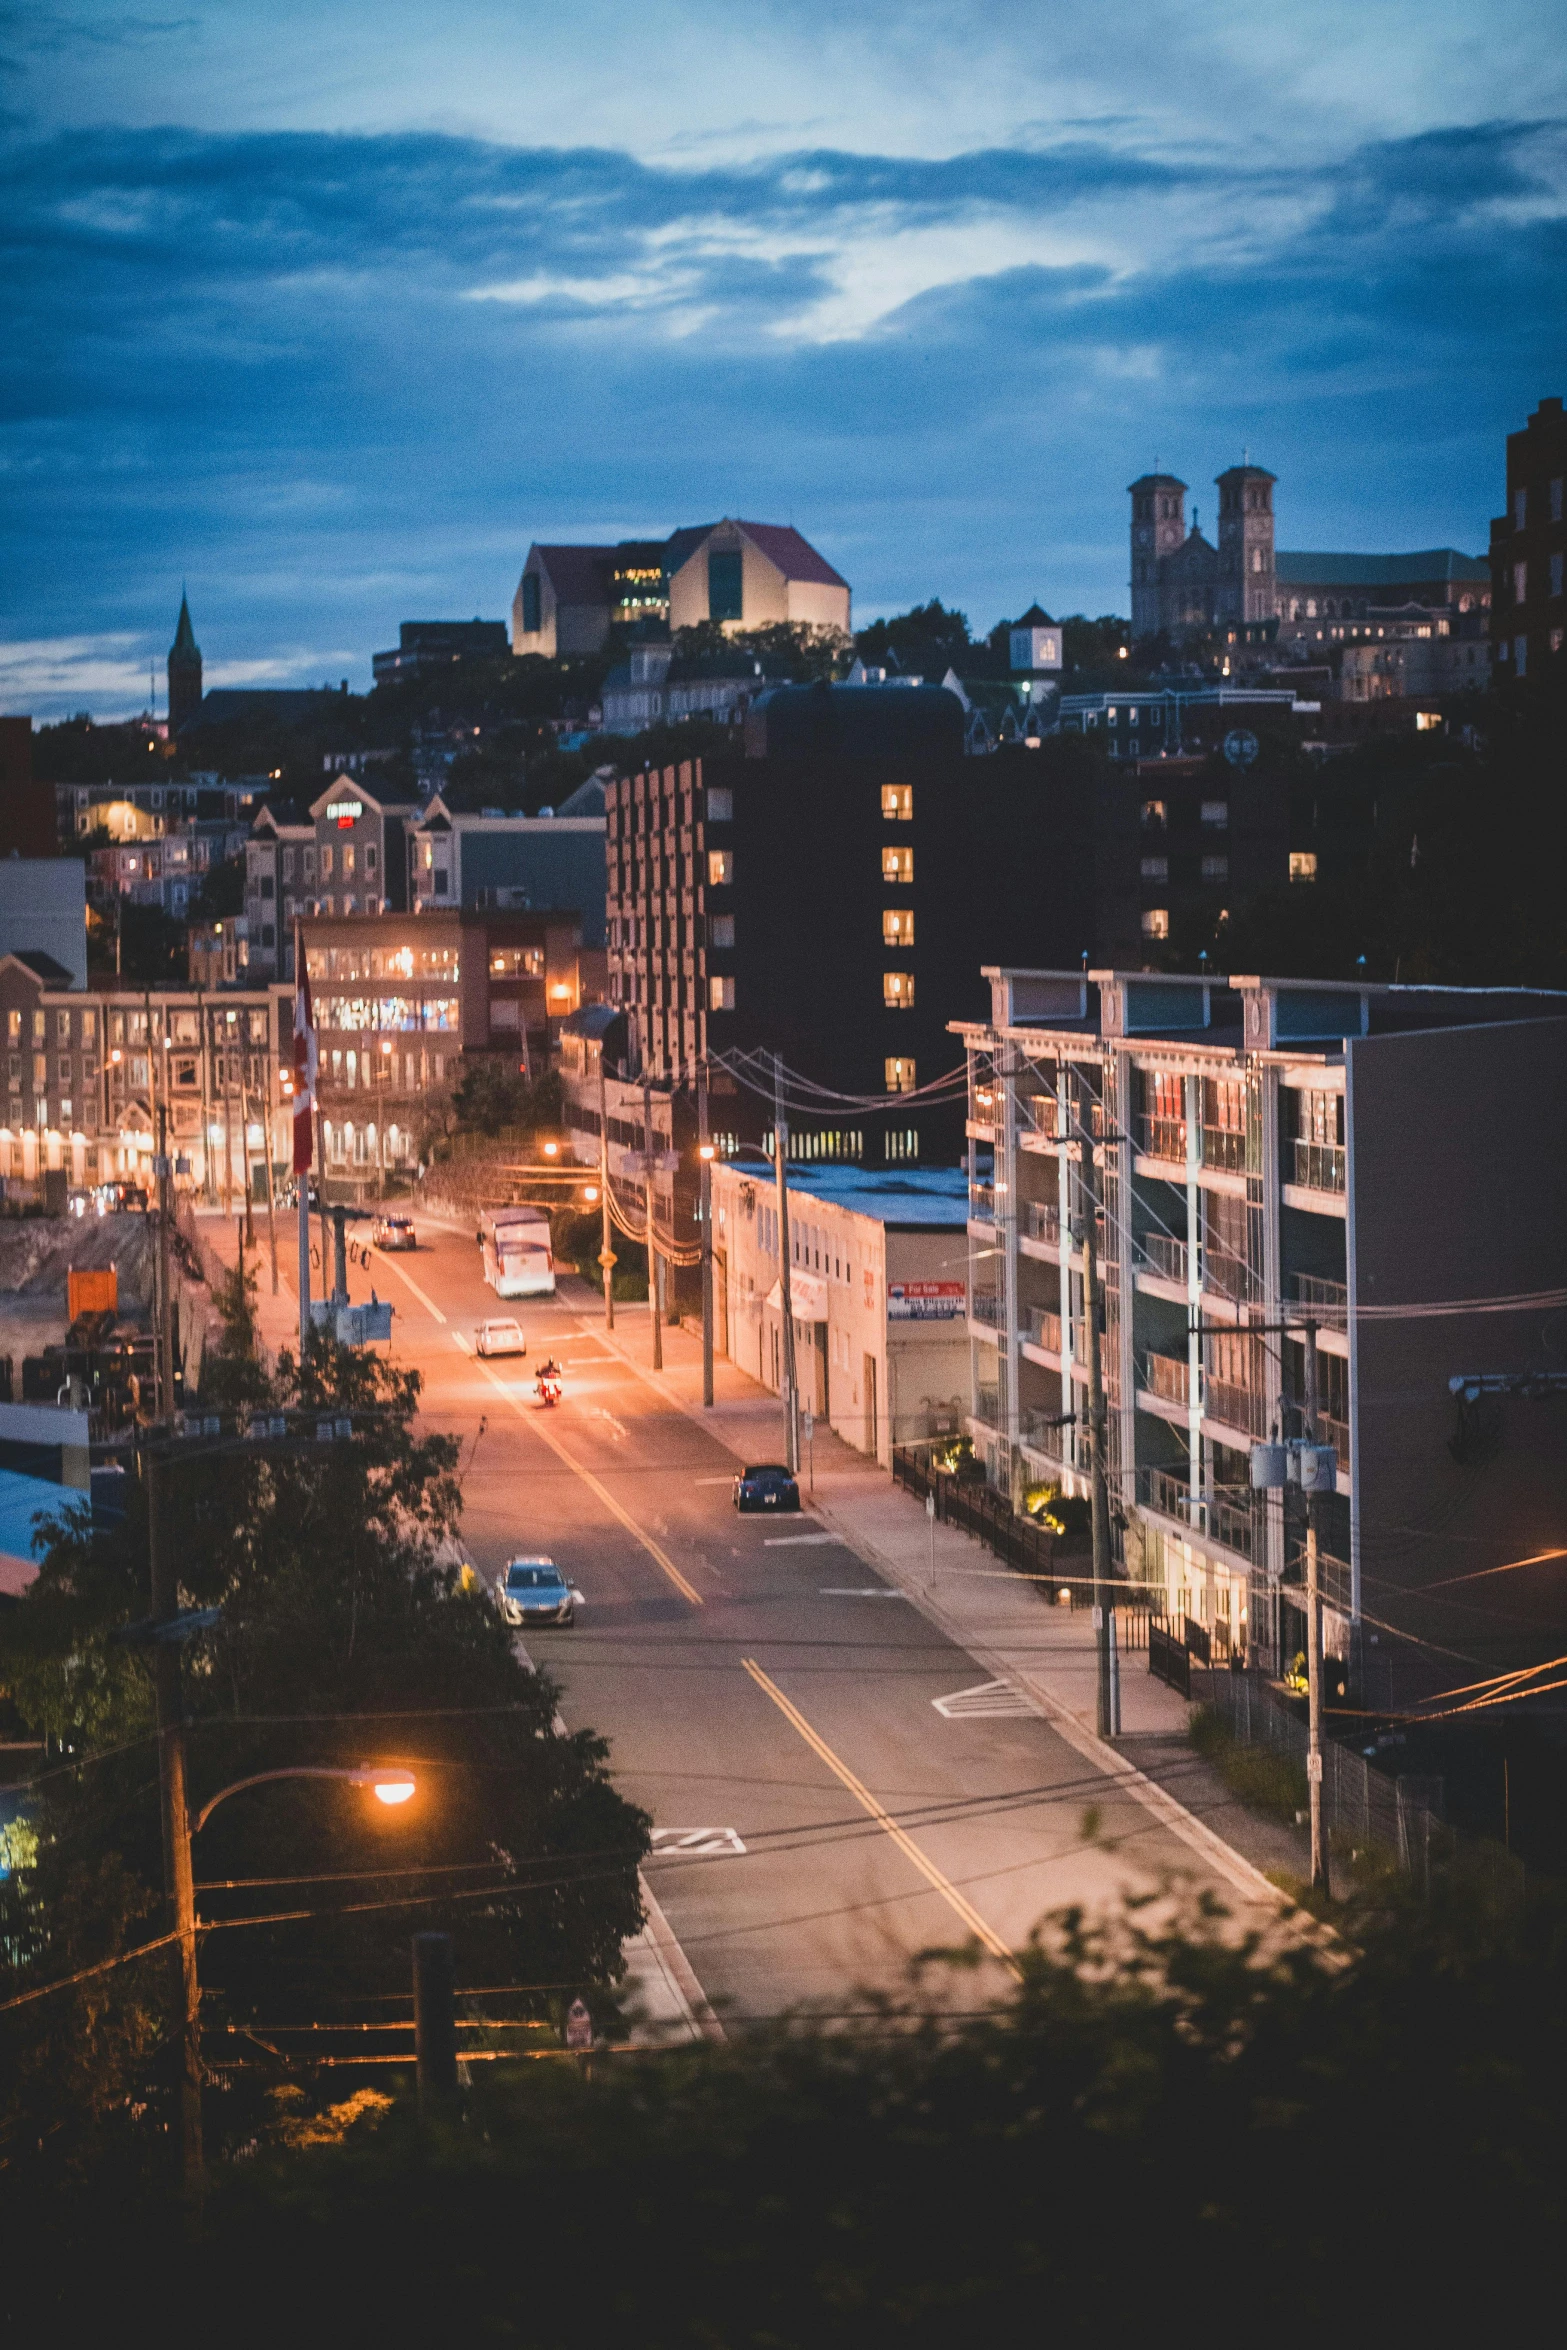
x: 768, y: 1696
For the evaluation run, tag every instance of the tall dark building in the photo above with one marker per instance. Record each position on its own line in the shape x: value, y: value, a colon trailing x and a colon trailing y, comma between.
x: 1529, y: 551
x: 184, y: 673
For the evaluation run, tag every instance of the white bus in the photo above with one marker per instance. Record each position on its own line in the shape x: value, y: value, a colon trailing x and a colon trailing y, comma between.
x: 517, y: 1258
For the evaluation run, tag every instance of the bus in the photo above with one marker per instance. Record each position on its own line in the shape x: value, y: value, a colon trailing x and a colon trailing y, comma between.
x: 517, y: 1258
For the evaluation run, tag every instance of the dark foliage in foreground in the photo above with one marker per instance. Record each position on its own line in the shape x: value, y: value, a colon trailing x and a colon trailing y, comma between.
x: 1159, y: 2132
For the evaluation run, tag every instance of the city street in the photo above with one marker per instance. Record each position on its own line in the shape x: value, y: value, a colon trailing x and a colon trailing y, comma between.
x: 768, y: 1697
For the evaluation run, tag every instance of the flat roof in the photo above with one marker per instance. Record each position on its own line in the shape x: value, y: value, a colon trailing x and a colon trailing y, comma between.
x: 933, y: 1196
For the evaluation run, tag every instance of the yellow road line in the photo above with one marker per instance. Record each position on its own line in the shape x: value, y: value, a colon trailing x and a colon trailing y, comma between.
x: 428, y: 1303
x: 546, y: 1435
x: 884, y: 1820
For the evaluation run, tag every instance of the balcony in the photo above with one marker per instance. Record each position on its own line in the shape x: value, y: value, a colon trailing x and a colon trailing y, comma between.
x: 1163, y: 1138
x: 1236, y: 1525
x: 1224, y: 1147
x: 985, y: 1306
x: 987, y: 1406
x: 1166, y: 1376
x: 984, y: 1106
x: 1040, y: 1115
x: 1237, y: 1407
x: 1043, y: 1329
x: 1319, y: 1166
x: 1043, y: 1223
x: 1223, y: 1277
x: 1328, y: 1300
x: 1164, y: 1256
x: 1336, y: 1433
x: 1040, y: 1432
x: 982, y: 1207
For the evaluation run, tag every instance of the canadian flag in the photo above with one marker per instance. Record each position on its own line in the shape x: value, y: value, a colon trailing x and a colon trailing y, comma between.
x: 305, y: 1062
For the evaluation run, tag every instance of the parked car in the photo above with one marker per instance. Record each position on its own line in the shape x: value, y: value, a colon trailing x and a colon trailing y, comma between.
x: 78, y: 1202
x: 288, y: 1197
x: 766, y: 1488
x: 534, y: 1591
x: 394, y: 1232
x: 499, y: 1338
x: 111, y: 1199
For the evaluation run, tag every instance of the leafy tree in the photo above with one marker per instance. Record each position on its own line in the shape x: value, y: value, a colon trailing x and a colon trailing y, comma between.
x: 222, y: 891
x: 925, y: 641
x: 492, y: 1093
x: 348, y: 1634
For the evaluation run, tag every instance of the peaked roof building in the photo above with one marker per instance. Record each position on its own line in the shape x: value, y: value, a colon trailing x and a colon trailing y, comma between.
x: 184, y: 671
x: 737, y: 574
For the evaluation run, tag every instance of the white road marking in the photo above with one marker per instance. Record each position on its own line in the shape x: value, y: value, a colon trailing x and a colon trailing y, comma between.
x: 988, y: 1701
x: 800, y: 1542
x: 729, y: 1480
x: 428, y: 1303
x: 459, y: 1340
x: 860, y: 1591
x: 695, y: 1843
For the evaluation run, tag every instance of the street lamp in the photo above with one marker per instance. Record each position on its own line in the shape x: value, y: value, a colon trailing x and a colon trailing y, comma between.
x: 389, y: 1783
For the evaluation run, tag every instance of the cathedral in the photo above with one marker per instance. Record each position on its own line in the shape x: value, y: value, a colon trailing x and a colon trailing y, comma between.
x: 1182, y: 584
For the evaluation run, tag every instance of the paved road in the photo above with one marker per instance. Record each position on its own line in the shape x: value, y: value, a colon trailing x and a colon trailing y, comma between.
x: 757, y: 1682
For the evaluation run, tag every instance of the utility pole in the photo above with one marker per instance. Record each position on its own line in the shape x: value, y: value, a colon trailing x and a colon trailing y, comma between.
x: 647, y: 1195
x: 175, y: 1804
x: 606, y: 1244
x: 166, y: 1318
x: 1319, y: 1850
x: 244, y: 1157
x: 705, y: 1162
x: 785, y: 1286
x: 266, y: 1135
x: 1107, y: 1711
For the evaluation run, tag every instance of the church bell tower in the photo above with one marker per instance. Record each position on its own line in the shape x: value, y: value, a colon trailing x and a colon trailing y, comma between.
x: 184, y: 673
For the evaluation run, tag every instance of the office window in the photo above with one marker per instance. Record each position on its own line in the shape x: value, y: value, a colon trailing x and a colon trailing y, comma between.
x: 1303, y: 864
x: 1216, y: 868
x: 897, y: 865
x: 369, y: 856
x: 90, y: 1026
x: 348, y: 858
x: 41, y: 1026
x: 13, y: 1026
x: 1216, y: 813
x: 1155, y: 868
x: 530, y: 603
x: 62, y: 1022
x: 897, y: 990
x: 326, y: 864
x: 725, y: 586
x: 1156, y: 922
x: 1155, y: 815
x: 288, y: 864
x: 720, y: 868
x: 897, y: 926
x: 721, y: 930
x: 309, y: 864
x: 897, y: 803
x: 899, y: 1073
x: 65, y: 1072
x: 41, y: 1072
x: 720, y: 992
x: 720, y: 806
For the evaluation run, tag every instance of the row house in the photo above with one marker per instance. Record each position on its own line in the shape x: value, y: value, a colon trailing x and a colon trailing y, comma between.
x: 345, y: 855
x: 146, y: 811
x: 167, y: 869
x: 87, y: 1072
x: 1273, y: 1153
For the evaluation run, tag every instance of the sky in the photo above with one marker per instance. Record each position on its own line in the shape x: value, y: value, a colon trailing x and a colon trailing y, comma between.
x: 327, y: 311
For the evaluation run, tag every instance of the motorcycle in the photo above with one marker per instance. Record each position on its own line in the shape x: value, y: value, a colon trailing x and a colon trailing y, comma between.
x: 547, y: 1385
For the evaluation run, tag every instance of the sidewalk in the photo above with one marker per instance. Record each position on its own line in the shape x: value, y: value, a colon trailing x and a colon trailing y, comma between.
x: 1014, y: 1634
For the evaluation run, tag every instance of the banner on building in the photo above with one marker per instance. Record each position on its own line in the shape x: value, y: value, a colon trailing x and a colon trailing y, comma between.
x: 926, y: 1301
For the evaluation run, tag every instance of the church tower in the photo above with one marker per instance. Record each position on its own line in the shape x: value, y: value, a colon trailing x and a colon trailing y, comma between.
x: 184, y: 673
x: 1158, y: 529
x: 1246, y: 585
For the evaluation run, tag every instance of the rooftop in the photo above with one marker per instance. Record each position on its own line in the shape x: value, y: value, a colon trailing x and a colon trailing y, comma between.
x: 935, y: 1196
x: 1427, y: 563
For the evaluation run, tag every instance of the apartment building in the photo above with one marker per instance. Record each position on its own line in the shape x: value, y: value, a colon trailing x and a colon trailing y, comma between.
x: 1384, y: 1162
x: 401, y: 998
x: 1529, y: 550
x: 88, y: 1070
x: 347, y: 854
x: 552, y: 862
x: 878, y: 1286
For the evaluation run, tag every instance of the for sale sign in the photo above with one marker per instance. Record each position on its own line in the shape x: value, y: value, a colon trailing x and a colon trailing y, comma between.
x: 926, y: 1301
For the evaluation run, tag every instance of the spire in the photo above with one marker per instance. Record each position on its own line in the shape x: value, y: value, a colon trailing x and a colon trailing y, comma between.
x: 184, y: 647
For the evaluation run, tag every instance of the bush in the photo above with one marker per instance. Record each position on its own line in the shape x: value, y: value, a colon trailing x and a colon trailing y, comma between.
x: 1262, y: 1779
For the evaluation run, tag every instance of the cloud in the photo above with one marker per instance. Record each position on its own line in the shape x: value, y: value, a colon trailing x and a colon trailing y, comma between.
x: 340, y: 379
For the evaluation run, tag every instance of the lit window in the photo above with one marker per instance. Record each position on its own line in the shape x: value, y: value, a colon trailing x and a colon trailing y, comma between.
x: 897, y: 990
x: 1303, y: 864
x: 720, y: 806
x: 897, y: 802
x: 900, y: 1074
x: 1155, y: 814
x: 897, y: 926
x: 1156, y: 922
x: 1520, y: 582
x: 721, y: 993
x: 720, y: 868
x: 326, y: 864
x: 721, y: 930
x: 1216, y: 813
x: 897, y: 865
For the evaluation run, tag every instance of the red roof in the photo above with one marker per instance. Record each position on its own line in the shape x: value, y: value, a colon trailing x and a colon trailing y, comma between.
x: 579, y: 575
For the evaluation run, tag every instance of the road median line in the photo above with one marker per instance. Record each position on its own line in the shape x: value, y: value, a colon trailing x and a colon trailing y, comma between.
x: 884, y: 1820
x: 534, y: 1421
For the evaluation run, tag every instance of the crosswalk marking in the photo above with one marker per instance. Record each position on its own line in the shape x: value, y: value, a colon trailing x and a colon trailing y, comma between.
x: 987, y: 1701
x: 696, y: 1843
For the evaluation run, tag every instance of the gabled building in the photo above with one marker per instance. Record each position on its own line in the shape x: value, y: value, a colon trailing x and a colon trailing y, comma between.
x: 738, y: 574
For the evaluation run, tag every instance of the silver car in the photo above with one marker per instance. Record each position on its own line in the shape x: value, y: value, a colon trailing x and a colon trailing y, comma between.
x: 499, y: 1338
x: 534, y: 1591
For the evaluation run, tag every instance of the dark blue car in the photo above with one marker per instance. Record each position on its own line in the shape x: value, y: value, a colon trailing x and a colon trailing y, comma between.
x: 766, y: 1488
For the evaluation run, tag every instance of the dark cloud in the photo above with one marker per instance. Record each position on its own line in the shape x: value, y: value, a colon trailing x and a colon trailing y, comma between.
x: 259, y: 360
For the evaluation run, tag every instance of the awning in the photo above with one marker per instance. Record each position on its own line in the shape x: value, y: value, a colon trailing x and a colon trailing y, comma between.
x: 807, y: 1295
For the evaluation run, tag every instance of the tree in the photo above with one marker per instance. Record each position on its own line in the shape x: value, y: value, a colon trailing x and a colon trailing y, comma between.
x: 493, y: 1093
x: 925, y: 641
x: 348, y: 1633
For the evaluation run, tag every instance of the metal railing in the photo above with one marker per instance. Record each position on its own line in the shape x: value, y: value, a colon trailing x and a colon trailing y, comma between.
x: 1044, y: 1329
x: 1336, y: 1433
x: 1329, y: 1300
x: 1163, y: 1138
x: 1223, y: 1277
x: 983, y: 1103
x: 1044, y: 1223
x: 1234, y: 1524
x: 1165, y: 1256
x: 982, y: 1203
x: 985, y: 1306
x: 1319, y: 1166
x: 1042, y: 1434
x: 1237, y: 1407
x: 1042, y: 1110
x: 1168, y: 1377
x: 987, y: 1406
x: 1224, y: 1147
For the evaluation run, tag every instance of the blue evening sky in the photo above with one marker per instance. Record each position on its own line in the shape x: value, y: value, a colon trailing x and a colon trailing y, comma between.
x: 330, y: 309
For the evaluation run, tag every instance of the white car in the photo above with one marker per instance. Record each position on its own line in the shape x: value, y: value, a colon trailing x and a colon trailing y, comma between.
x: 534, y: 1591
x: 499, y: 1338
